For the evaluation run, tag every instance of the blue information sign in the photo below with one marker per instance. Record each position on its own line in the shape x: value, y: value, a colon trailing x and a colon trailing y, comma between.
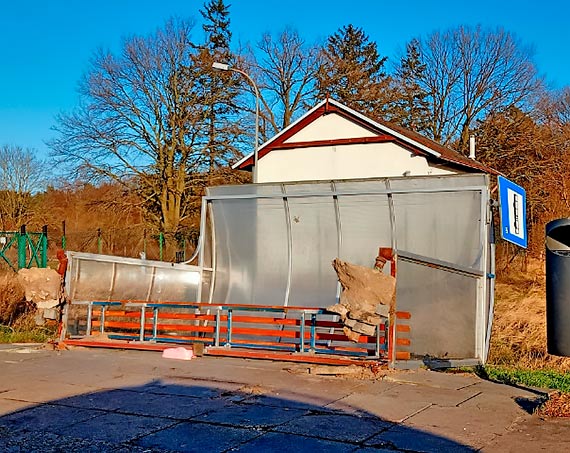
x: 512, y: 203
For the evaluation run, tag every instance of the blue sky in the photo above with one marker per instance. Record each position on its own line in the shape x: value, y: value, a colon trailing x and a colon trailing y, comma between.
x: 46, y: 45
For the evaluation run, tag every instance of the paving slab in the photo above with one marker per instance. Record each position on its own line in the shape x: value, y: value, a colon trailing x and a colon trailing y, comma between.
x: 198, y: 437
x: 115, y: 428
x: 46, y: 442
x: 251, y: 416
x: 9, y: 406
x: 191, y: 387
x: 293, y: 400
x: 465, y: 425
x: 449, y: 381
x: 135, y: 401
x: 402, y: 401
x: 44, y: 391
x: 413, y: 440
x: 46, y: 417
x: 287, y: 443
x: 337, y: 427
x: 533, y: 434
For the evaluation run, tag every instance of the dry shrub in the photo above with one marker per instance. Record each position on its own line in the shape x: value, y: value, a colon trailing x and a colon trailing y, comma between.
x: 557, y: 405
x: 12, y: 300
x: 519, y: 326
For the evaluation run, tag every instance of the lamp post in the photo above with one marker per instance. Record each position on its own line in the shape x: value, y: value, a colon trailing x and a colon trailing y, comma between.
x: 226, y: 67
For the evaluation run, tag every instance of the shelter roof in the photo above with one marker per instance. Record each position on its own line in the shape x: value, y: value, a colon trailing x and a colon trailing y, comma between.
x: 382, y: 131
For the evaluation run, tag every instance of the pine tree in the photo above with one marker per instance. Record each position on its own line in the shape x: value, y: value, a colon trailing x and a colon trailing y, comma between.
x: 410, y: 107
x: 352, y: 71
x: 221, y: 88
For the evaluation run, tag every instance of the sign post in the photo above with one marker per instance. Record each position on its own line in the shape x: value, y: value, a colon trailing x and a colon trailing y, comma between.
x: 512, y: 209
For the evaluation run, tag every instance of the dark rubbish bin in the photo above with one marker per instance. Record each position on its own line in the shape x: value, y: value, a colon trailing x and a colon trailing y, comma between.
x: 558, y: 287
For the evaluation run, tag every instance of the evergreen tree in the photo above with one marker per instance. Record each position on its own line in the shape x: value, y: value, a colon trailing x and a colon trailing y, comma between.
x: 410, y: 108
x: 221, y: 88
x: 352, y: 71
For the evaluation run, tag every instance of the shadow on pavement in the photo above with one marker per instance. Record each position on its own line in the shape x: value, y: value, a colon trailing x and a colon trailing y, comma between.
x: 165, y: 416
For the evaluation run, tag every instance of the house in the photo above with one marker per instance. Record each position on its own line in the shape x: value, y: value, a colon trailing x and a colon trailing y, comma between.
x: 332, y: 141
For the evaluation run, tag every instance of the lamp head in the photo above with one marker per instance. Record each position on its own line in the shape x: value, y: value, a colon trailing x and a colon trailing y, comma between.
x: 222, y: 66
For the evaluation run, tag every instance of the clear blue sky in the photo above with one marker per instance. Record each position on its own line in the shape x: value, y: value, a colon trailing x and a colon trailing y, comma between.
x: 45, y: 45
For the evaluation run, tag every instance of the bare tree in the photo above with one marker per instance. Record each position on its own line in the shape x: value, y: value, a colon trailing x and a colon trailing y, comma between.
x: 141, y: 122
x: 284, y: 68
x: 470, y: 72
x: 22, y: 175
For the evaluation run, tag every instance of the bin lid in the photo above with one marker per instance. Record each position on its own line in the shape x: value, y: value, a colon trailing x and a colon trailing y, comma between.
x: 558, y: 235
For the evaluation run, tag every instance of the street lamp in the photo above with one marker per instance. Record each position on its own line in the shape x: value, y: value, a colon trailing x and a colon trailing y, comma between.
x: 226, y: 67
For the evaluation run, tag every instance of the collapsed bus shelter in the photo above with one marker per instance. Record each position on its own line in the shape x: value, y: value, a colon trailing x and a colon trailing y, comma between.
x: 333, y: 184
x: 272, y: 245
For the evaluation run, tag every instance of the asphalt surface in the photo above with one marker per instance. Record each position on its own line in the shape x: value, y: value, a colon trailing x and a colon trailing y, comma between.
x: 87, y: 400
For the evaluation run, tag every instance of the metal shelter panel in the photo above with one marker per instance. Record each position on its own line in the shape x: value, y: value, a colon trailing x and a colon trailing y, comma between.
x: 275, y: 244
x: 445, y: 226
x: 441, y: 302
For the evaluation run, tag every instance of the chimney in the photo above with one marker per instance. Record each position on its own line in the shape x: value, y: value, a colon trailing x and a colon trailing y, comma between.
x: 472, y: 147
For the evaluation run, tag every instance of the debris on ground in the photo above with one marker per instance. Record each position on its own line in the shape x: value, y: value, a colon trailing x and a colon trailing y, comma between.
x: 557, y: 405
x: 42, y: 286
x: 180, y: 353
x: 351, y: 371
x: 366, y: 300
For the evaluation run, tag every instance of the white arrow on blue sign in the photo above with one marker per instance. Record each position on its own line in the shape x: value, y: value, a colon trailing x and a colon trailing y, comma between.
x: 512, y: 209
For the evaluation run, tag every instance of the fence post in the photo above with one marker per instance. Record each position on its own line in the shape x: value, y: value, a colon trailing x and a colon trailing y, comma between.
x: 160, y: 244
x: 99, y: 242
x: 44, y: 239
x: 22, y: 248
x: 63, y: 238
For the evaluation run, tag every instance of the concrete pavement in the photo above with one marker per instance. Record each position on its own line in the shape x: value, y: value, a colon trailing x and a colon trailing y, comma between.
x: 131, y: 401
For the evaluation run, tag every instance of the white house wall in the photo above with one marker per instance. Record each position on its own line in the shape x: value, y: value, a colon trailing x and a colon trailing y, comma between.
x: 330, y: 127
x: 353, y: 161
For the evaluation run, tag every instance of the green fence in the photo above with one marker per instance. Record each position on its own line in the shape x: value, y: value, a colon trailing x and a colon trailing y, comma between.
x: 21, y: 249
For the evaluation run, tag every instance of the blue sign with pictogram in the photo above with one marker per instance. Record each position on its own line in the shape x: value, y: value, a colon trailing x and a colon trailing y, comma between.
x: 512, y: 210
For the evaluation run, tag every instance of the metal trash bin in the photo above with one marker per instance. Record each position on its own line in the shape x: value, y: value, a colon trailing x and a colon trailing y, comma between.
x: 558, y: 287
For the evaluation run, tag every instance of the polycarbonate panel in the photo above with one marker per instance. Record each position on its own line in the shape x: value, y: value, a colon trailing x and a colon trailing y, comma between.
x: 131, y: 282
x: 174, y: 285
x: 314, y: 246
x: 252, y: 251
x: 244, y: 189
x: 444, y: 225
x: 439, y: 183
x: 102, y: 277
x: 365, y: 226
x: 443, y: 311
x: 90, y: 280
x: 361, y: 186
x: 308, y: 188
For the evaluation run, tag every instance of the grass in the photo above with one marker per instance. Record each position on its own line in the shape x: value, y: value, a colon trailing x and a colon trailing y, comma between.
x: 543, y: 378
x: 26, y: 335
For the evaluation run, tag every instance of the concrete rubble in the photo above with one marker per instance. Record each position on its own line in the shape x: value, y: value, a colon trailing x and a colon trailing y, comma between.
x: 42, y: 286
x: 366, y: 300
